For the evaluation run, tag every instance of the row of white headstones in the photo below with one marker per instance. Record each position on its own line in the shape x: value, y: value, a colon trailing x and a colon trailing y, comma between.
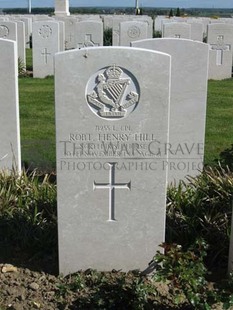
x: 50, y: 37
x: 129, y: 120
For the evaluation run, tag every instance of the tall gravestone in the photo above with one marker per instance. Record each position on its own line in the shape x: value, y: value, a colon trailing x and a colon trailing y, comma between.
x: 21, y: 41
x: 220, y: 39
x: 110, y: 114
x: 45, y: 44
x: 28, y: 29
x: 10, y: 155
x: 189, y: 75
x: 61, y: 35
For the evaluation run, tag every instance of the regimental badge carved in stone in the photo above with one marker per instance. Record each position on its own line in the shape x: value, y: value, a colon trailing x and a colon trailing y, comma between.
x: 134, y: 32
x: 4, y: 31
x: 112, y: 93
x: 45, y: 31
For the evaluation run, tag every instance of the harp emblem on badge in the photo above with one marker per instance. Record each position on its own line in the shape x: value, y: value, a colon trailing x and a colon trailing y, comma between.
x: 115, y: 93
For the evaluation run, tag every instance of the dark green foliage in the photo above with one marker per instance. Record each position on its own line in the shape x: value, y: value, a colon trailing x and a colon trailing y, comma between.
x: 105, y: 290
x: 108, y: 37
x: 226, y: 158
x: 185, y: 273
x: 178, y: 12
x: 171, y: 13
x: 202, y: 209
x: 21, y: 68
x: 157, y: 34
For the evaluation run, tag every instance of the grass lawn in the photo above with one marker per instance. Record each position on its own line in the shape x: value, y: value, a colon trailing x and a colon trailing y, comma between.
x: 37, y: 120
x: 219, y: 121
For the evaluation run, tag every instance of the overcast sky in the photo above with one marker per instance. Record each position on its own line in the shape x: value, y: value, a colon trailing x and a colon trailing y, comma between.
x: 127, y: 3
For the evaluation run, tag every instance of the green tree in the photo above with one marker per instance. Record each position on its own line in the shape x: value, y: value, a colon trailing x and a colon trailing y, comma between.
x: 171, y: 13
x: 178, y: 12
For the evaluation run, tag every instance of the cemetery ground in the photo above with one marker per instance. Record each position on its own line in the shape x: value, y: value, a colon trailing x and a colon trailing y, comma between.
x: 192, y: 272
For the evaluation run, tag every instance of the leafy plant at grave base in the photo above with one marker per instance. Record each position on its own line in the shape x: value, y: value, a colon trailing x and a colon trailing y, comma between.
x: 21, y: 68
x: 226, y: 158
x: 106, y: 290
x: 185, y: 273
x: 224, y: 291
x: 27, y: 214
x: 157, y: 34
x: 202, y: 209
x: 108, y: 37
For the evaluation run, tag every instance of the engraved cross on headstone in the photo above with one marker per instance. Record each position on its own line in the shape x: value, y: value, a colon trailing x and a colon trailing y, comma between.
x: 45, y: 54
x: 219, y: 48
x: 88, y: 42
x: 111, y: 186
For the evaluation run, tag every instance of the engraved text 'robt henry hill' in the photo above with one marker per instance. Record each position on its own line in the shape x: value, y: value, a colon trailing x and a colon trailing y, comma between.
x: 111, y: 186
x: 112, y: 93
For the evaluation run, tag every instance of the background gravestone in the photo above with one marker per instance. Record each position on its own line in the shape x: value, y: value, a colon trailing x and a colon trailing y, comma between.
x: 70, y: 27
x: 8, y: 30
x: 9, y: 107
x: 177, y: 30
x: 220, y: 39
x: 189, y: 77
x: 89, y: 33
x: 132, y: 31
x: 21, y: 41
x: 197, y: 31
x: 110, y: 114
x: 28, y: 29
x: 46, y: 43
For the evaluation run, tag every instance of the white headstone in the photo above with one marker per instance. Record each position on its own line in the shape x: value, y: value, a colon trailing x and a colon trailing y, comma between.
x: 197, y: 31
x: 28, y: 30
x: 70, y: 28
x: 188, y: 104
x: 132, y: 31
x: 61, y: 35
x: 220, y: 39
x: 8, y: 30
x: 116, y: 28
x: 21, y: 41
x: 111, y: 187
x: 158, y: 22
x: 177, y: 30
x: 46, y: 44
x: 62, y: 8
x: 89, y: 33
x: 10, y: 155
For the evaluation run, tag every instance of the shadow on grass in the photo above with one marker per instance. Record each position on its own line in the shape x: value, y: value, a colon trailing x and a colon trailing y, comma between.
x: 29, y: 244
